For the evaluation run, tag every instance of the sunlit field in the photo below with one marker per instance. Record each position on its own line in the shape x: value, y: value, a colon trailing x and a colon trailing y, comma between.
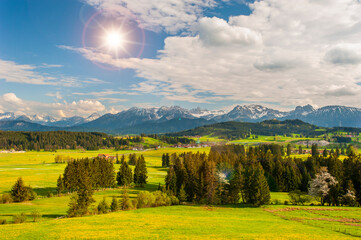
x: 280, y: 220
x: 197, y: 222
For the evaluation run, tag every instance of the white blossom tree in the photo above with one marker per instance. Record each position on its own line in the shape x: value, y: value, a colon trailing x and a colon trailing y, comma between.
x: 320, y: 186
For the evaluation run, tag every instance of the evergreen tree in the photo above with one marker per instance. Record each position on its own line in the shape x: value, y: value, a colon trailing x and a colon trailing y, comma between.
x: 73, y: 206
x: 171, y: 181
x: 60, y: 185
x: 255, y: 186
x: 289, y: 150
x: 19, y: 192
x: 103, y: 207
x: 125, y: 203
x: 235, y: 184
x: 182, y: 196
x: 140, y: 172
x: 125, y: 175
x: 314, y: 150
x: 114, y: 206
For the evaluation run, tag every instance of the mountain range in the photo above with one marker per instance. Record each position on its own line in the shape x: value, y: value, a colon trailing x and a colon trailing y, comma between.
x: 174, y: 119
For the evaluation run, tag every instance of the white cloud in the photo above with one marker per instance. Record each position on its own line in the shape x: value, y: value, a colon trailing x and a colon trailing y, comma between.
x: 29, y: 74
x: 9, y: 102
x: 215, y: 31
x: 11, y: 98
x: 157, y: 15
x: 57, y: 95
x: 279, y: 54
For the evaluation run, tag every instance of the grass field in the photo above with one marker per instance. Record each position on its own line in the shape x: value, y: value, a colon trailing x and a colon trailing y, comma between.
x: 195, y: 222
x: 176, y: 222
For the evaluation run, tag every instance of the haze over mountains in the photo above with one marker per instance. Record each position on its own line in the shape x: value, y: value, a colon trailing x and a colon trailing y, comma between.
x: 173, y: 119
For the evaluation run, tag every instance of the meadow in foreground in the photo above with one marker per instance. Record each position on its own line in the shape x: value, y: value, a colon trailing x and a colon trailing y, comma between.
x: 194, y: 222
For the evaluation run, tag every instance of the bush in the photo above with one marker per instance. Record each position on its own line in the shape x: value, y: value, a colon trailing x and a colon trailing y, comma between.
x: 155, y: 199
x: 3, y: 221
x: 49, y: 194
x: 277, y: 202
x: 6, y: 198
x: 36, y: 215
x: 19, y: 218
x: 174, y: 200
x: 297, y: 197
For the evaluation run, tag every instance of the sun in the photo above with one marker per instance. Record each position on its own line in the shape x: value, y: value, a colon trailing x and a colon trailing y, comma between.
x: 114, y: 39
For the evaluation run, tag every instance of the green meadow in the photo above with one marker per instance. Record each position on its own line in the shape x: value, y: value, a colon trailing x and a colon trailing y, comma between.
x: 275, y: 221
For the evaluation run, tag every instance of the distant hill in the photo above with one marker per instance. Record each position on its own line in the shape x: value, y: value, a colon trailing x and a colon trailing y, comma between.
x: 173, y: 125
x: 236, y: 130
x: 25, y: 126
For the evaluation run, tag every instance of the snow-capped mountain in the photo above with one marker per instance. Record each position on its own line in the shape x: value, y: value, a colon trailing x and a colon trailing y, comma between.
x: 7, y: 116
x: 48, y: 120
x: 172, y: 118
x: 334, y: 116
x: 250, y: 113
x: 206, y: 114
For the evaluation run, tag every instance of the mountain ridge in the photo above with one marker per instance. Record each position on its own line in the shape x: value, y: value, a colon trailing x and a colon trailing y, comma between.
x: 136, y: 118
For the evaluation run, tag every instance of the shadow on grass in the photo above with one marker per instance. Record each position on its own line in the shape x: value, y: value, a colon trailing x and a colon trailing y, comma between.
x: 45, y: 191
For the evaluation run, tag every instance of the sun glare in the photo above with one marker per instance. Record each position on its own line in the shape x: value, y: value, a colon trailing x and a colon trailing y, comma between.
x: 114, y: 39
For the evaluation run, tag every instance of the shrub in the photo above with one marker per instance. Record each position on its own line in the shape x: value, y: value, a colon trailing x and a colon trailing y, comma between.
x: 36, y: 215
x: 19, y: 218
x: 3, y: 221
x: 6, y: 198
x: 286, y: 202
x: 49, y: 194
x: 297, y: 197
x: 155, y: 199
x: 174, y: 200
x: 277, y: 202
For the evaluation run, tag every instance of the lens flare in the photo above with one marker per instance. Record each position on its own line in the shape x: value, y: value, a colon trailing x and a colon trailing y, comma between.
x: 116, y: 36
x: 114, y: 40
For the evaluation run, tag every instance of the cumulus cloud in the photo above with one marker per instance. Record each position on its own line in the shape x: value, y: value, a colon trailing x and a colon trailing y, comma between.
x: 11, y: 98
x: 279, y: 54
x: 9, y: 102
x: 158, y: 15
x: 215, y: 31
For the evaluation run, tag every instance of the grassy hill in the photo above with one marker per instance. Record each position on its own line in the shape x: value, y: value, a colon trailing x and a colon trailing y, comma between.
x: 236, y: 130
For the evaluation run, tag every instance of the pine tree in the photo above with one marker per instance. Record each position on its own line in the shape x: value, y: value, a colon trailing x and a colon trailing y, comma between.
x: 255, y: 186
x: 235, y: 184
x: 125, y: 175
x: 103, y: 207
x: 314, y: 150
x: 289, y: 150
x: 140, y: 172
x: 60, y: 185
x: 171, y: 181
x: 19, y: 192
x: 73, y: 206
x: 114, y: 206
x: 125, y: 203
x: 182, y: 196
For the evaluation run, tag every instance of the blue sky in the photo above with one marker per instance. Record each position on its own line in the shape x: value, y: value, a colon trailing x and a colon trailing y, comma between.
x: 207, y: 53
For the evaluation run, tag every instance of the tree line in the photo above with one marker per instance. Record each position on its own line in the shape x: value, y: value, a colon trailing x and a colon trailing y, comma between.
x: 51, y: 141
x: 232, y: 173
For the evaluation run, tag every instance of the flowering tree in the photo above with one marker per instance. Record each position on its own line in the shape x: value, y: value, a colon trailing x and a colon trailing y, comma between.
x: 320, y: 186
